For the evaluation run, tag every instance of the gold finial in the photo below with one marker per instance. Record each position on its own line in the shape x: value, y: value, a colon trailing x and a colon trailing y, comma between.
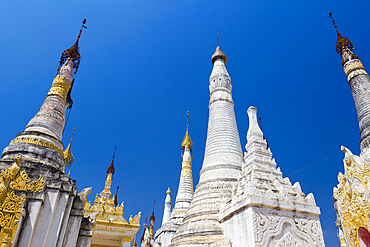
x: 68, y: 156
x: 73, y: 52
x: 187, y: 140
x: 341, y: 41
x: 168, y: 192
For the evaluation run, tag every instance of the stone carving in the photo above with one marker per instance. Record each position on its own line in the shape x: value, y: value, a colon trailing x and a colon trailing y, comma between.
x: 274, y: 230
x: 352, y: 198
x: 11, y: 205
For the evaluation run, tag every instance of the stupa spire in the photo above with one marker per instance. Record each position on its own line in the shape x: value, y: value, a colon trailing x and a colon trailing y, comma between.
x: 359, y: 81
x: 42, y: 136
x: 221, y: 166
x: 172, y: 220
x: 167, y: 207
x: 152, y: 220
x: 185, y: 190
x: 108, y: 182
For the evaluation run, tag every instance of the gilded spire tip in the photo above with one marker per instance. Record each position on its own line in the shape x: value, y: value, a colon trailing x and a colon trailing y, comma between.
x: 73, y: 53
x: 341, y: 41
x: 187, y: 140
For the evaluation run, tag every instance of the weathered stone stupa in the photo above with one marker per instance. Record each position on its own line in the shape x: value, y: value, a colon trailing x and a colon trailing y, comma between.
x: 352, y: 194
x: 39, y: 202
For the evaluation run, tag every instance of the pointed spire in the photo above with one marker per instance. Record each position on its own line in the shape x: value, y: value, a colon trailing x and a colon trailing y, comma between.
x: 152, y: 217
x: 187, y: 140
x: 111, y: 168
x: 341, y: 41
x: 73, y: 53
x: 152, y: 220
x: 108, y: 182
x: 42, y: 136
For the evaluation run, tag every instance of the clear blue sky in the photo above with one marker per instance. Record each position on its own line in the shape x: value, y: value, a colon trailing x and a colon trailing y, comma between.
x: 145, y: 63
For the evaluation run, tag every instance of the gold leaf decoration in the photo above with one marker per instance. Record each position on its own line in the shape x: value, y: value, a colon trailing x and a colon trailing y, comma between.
x: 10, y: 204
x: 352, y: 198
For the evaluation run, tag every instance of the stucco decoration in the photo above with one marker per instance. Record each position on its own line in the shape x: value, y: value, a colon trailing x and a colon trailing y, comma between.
x: 277, y: 230
x: 352, y: 198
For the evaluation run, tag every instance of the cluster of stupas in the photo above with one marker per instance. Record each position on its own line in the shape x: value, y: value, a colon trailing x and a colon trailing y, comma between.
x: 241, y: 199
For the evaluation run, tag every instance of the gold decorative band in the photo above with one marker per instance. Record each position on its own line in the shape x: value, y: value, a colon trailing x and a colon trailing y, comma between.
x: 353, y: 65
x: 37, y: 142
x: 354, y: 68
x: 356, y: 72
x: 60, y: 87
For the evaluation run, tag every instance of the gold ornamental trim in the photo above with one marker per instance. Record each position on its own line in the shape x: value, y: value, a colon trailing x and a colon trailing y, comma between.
x: 352, y: 197
x: 37, y: 142
x: 11, y: 205
x: 353, y: 65
x: 60, y: 87
x: 355, y: 73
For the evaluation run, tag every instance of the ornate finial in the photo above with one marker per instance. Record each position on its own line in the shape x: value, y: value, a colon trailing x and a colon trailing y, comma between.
x: 68, y: 156
x: 73, y: 52
x: 152, y: 218
x: 187, y: 140
x: 115, y: 198
x: 111, y: 168
x: 341, y: 41
x: 219, y: 54
x: 218, y: 39
x: 18, y: 159
x: 168, y: 192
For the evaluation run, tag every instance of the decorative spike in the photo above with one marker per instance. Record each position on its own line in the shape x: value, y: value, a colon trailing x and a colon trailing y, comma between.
x: 115, y: 198
x: 73, y: 52
x: 341, y: 41
x: 134, y: 244
x: 218, y: 39
x: 68, y: 156
x: 111, y: 168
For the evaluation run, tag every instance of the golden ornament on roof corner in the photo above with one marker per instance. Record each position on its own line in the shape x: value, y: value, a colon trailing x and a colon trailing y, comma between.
x: 352, y: 197
x: 11, y: 205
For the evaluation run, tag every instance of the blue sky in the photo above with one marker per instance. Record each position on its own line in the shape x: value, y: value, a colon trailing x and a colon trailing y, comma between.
x: 145, y: 63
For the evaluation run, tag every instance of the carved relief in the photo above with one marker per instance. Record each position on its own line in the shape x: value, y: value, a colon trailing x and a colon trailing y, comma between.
x: 274, y: 230
x: 352, y: 197
x: 11, y: 205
